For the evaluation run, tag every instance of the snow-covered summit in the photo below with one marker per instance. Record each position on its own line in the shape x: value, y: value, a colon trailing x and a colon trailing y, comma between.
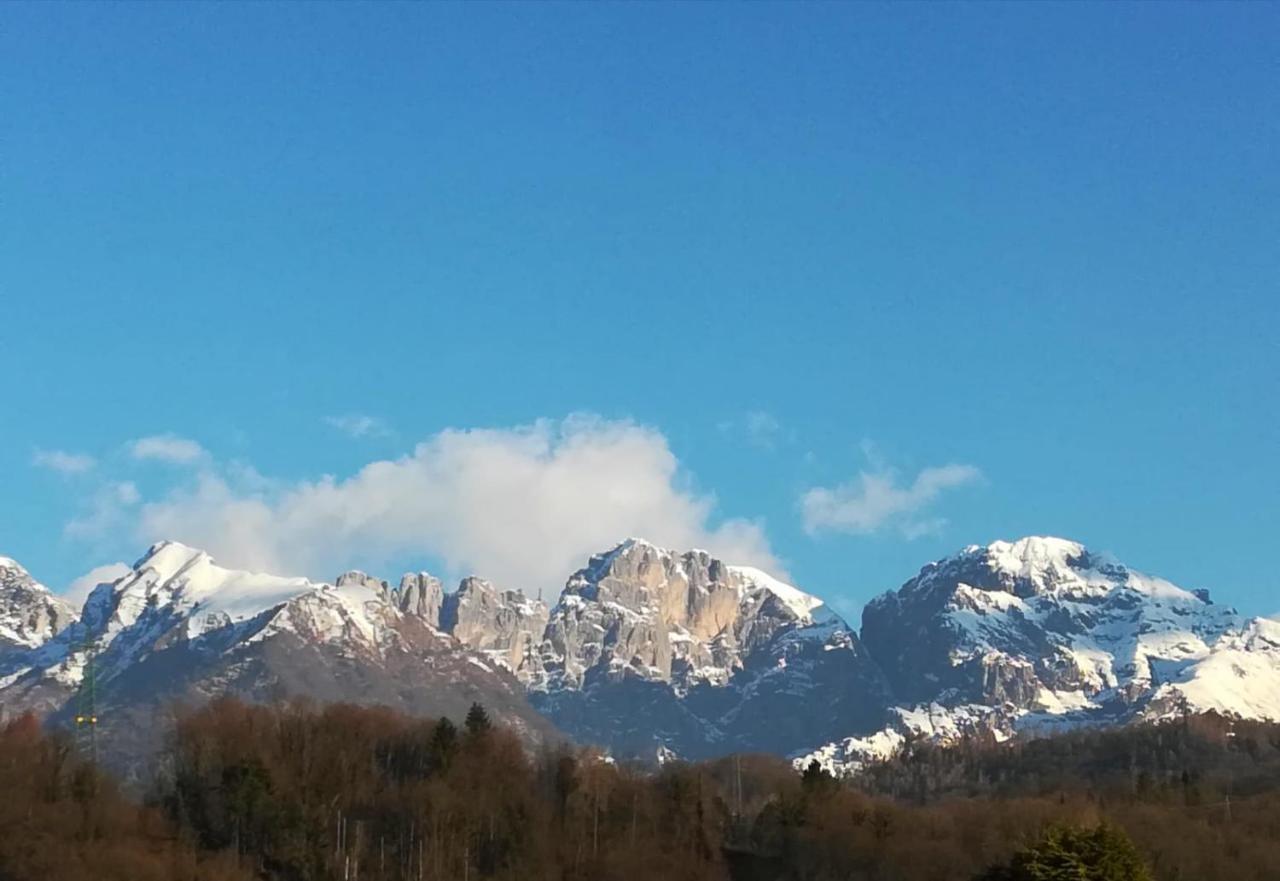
x: 1043, y: 633
x: 1042, y: 622
x: 190, y: 583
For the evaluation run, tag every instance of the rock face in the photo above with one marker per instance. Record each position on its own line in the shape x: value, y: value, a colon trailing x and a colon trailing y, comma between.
x: 1042, y: 633
x: 504, y: 624
x: 30, y: 614
x: 421, y: 594
x: 651, y: 650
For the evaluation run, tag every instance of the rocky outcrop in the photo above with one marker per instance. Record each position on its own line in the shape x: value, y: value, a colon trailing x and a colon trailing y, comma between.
x: 652, y: 650
x: 421, y: 594
x: 679, y: 618
x: 504, y: 624
x: 30, y: 614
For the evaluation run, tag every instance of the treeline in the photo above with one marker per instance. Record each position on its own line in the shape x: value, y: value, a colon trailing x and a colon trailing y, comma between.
x: 62, y: 820
x: 1195, y: 761
x: 298, y: 791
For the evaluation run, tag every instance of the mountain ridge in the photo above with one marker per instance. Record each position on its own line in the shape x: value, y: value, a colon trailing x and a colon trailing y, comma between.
x: 651, y: 652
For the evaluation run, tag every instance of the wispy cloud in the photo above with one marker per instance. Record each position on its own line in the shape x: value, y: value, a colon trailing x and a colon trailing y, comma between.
x: 63, y: 462
x: 878, y: 499
x: 359, y: 425
x: 759, y: 428
x: 167, y: 448
x: 109, y: 509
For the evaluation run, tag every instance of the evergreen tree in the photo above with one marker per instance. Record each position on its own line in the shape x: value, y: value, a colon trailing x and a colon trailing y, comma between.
x: 444, y: 743
x: 477, y: 723
x: 817, y: 779
x: 1072, y: 853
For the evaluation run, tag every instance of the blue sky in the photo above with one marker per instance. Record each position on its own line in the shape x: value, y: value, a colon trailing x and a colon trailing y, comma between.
x: 835, y: 288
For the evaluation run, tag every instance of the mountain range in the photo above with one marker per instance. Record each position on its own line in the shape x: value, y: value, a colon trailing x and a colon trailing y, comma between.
x: 652, y: 653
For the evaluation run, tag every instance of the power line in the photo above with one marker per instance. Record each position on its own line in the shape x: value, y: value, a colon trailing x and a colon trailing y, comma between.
x: 87, y: 703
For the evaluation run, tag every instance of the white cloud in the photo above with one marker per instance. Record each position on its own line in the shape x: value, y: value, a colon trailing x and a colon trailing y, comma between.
x: 359, y: 425
x: 63, y: 462
x: 167, y: 448
x: 525, y: 506
x: 78, y: 590
x: 876, y: 499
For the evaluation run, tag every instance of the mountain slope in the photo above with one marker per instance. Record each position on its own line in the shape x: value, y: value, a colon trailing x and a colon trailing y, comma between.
x: 1042, y: 633
x: 649, y: 650
x: 181, y: 627
x: 652, y: 652
x: 30, y: 614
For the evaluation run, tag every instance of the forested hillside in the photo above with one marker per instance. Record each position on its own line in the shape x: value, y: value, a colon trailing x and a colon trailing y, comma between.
x: 300, y: 791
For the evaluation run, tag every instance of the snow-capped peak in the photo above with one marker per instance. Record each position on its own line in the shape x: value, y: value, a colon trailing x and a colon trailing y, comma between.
x: 189, y: 579
x: 1047, y: 567
x: 1034, y: 553
x: 801, y: 604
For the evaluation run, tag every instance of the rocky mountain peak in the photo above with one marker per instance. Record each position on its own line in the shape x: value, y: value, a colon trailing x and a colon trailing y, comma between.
x: 169, y: 558
x: 363, y: 581
x: 1043, y: 632
x: 504, y: 624
x: 30, y: 614
x: 653, y: 648
x: 421, y: 594
x: 663, y: 615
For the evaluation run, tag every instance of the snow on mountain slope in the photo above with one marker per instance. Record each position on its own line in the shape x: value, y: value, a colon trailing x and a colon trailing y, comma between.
x: 1240, y: 677
x: 190, y: 585
x: 1040, y: 634
x: 933, y: 723
x: 651, y: 651
x: 1041, y: 623
x: 801, y: 604
x: 180, y: 626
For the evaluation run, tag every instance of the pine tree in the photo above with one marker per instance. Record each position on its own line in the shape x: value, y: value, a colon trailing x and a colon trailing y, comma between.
x: 1072, y: 853
x: 817, y: 779
x: 477, y: 723
x: 444, y: 743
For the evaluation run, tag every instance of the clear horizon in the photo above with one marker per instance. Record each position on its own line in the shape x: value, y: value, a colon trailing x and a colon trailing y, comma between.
x: 833, y: 290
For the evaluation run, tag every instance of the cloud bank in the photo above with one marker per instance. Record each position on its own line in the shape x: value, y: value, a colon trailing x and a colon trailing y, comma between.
x: 524, y: 506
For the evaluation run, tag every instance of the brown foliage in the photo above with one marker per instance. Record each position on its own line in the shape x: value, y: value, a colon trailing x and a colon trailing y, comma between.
x: 299, y: 792
x: 60, y: 820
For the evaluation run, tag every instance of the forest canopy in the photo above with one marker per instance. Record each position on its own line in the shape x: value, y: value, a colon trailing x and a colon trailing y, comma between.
x: 300, y: 791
